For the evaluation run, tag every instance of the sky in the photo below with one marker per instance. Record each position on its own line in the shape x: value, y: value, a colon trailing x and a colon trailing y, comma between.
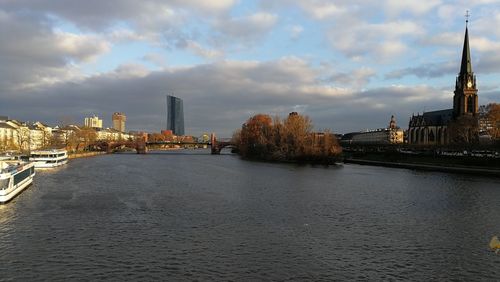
x: 347, y: 64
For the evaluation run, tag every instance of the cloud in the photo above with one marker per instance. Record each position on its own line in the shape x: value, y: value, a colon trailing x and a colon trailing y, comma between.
x: 488, y: 63
x: 220, y: 96
x: 380, y: 40
x: 247, y: 28
x: 156, y: 59
x: 356, y: 79
x: 32, y: 53
x: 322, y: 9
x: 295, y: 31
x: 443, y: 39
x: 98, y: 15
x: 430, y: 70
x: 397, y: 7
x: 201, y: 51
x: 248, y: 66
x: 131, y: 70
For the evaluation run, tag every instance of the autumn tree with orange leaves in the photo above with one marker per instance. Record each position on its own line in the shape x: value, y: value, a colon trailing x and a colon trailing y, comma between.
x: 291, y: 139
x: 494, y: 118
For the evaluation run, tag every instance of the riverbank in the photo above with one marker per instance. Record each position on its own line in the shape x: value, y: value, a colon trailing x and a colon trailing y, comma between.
x: 85, y: 155
x: 475, y: 170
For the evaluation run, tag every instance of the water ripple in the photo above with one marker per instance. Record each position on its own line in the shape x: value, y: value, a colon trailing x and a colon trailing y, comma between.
x: 216, y: 218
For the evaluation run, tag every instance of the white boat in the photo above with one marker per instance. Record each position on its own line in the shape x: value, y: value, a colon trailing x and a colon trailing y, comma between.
x: 15, y: 175
x: 49, y: 158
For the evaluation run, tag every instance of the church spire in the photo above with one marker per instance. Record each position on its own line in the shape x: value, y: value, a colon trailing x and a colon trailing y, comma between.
x: 466, y: 66
x: 465, y: 102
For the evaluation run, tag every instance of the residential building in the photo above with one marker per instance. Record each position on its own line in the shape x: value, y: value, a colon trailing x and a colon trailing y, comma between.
x: 93, y: 122
x: 40, y: 135
x: 8, y: 137
x: 14, y: 135
x: 67, y: 136
x: 485, y: 124
x: 119, y: 121
x: 111, y: 134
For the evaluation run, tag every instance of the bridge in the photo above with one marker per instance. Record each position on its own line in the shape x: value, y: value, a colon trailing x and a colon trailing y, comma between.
x: 142, y: 147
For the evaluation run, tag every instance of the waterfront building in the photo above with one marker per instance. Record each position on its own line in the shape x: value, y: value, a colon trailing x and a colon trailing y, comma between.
x: 175, y: 115
x: 40, y: 135
x: 8, y: 137
x: 390, y: 135
x: 139, y: 135
x: 93, y: 122
x: 14, y: 135
x: 111, y: 134
x: 459, y: 124
x: 119, y: 121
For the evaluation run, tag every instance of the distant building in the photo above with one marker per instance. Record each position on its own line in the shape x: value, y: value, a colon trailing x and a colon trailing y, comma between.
x: 175, y: 115
x: 40, y: 135
x: 457, y: 124
x: 485, y: 124
x: 66, y: 136
x: 139, y: 135
x: 93, y: 122
x: 119, y: 121
x: 110, y: 134
x: 8, y: 137
x: 390, y: 135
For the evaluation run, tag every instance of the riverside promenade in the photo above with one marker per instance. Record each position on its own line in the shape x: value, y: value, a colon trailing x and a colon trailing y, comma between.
x: 429, y: 167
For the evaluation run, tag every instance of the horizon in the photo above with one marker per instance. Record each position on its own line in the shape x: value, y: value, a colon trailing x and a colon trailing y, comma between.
x: 348, y: 65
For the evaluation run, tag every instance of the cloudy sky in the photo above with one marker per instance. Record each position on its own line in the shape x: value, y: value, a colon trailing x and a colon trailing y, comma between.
x: 348, y: 64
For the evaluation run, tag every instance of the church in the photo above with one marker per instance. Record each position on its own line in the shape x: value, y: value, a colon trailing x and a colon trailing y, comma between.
x: 458, y: 124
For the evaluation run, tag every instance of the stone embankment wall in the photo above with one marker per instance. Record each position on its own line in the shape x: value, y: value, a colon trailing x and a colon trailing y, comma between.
x: 85, y: 154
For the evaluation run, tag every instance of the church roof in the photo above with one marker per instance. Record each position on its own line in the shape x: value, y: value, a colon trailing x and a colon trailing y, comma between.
x: 435, y: 118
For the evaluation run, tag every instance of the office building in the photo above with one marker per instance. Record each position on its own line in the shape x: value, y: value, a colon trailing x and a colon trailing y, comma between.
x: 175, y: 115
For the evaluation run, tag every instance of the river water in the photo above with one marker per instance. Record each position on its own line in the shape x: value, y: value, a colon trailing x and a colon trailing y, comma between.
x: 188, y: 215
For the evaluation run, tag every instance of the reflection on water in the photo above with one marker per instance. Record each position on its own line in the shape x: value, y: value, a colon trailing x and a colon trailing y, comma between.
x: 187, y: 215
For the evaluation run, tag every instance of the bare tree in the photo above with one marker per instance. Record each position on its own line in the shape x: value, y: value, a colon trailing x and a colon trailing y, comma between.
x: 464, y: 130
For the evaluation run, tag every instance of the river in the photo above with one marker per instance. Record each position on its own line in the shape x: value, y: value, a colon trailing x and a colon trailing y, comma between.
x: 188, y: 215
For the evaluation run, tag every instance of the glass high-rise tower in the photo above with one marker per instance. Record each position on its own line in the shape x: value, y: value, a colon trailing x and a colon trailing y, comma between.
x: 175, y: 115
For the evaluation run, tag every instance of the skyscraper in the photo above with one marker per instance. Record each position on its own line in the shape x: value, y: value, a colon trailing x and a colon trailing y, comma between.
x: 175, y: 115
x: 119, y: 121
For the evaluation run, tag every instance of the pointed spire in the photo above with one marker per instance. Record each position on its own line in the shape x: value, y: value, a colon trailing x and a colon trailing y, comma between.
x: 466, y: 66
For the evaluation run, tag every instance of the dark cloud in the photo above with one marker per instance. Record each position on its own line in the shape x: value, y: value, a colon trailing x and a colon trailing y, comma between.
x: 31, y: 52
x: 98, y: 15
x: 431, y: 70
x: 41, y: 79
x: 220, y: 97
x: 488, y: 63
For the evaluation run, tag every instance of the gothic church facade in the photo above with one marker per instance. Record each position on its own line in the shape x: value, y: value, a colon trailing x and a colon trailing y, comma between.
x: 441, y: 127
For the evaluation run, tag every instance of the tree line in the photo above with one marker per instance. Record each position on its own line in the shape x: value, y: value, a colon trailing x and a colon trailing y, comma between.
x: 289, y: 139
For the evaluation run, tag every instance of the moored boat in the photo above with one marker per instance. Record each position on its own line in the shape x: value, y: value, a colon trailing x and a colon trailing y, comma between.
x: 49, y: 158
x: 15, y: 175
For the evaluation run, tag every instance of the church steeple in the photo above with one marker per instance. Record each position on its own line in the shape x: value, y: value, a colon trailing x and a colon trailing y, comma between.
x: 465, y: 101
x: 466, y: 66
